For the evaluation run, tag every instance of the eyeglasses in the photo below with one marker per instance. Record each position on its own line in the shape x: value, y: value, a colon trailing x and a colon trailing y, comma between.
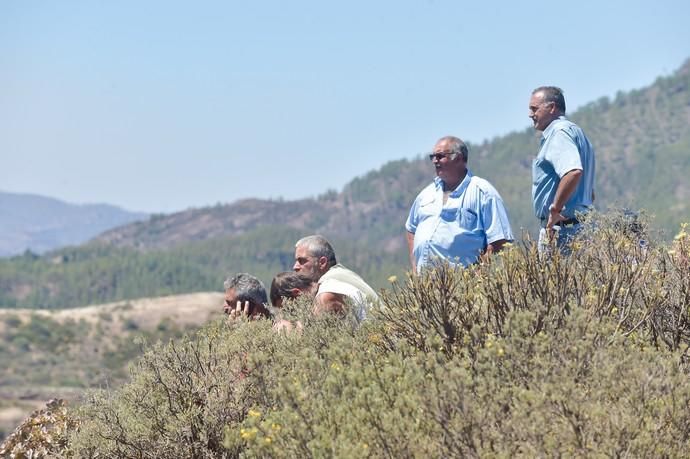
x: 440, y: 156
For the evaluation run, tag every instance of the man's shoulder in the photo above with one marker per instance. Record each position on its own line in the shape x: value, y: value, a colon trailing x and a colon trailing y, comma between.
x: 337, y: 271
x: 565, y: 125
x: 483, y: 185
x: 428, y: 190
x: 339, y: 274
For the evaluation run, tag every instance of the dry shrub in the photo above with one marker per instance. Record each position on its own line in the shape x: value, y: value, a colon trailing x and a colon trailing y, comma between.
x: 527, y: 356
x: 180, y: 398
x: 42, y: 435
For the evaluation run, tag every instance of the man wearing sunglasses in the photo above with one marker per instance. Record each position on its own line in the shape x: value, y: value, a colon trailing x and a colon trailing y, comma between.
x: 458, y: 217
x: 562, y: 172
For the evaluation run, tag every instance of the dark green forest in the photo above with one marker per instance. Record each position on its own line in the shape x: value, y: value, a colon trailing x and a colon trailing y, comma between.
x: 97, y: 273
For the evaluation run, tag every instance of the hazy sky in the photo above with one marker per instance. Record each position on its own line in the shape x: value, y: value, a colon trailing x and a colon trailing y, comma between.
x: 164, y: 105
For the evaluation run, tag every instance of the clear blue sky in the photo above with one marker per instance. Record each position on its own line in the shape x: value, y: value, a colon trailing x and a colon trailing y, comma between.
x: 164, y: 105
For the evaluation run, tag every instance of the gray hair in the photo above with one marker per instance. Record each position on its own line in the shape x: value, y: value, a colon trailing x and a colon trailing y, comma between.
x: 552, y: 94
x: 318, y: 246
x: 247, y: 288
x: 457, y: 146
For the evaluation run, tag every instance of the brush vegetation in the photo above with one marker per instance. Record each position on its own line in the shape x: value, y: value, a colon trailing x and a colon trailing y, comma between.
x: 579, y: 356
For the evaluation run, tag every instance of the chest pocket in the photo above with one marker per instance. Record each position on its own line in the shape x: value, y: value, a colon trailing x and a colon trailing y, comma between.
x: 467, y: 219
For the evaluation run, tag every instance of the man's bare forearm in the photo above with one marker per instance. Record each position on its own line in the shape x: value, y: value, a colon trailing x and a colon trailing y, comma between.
x: 410, y: 250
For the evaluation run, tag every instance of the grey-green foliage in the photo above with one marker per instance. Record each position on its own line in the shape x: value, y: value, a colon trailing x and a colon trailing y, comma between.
x: 529, y: 357
x: 181, y: 396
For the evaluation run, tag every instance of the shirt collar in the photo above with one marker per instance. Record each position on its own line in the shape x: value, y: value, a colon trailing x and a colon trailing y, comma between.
x: 459, y: 189
x: 550, y: 128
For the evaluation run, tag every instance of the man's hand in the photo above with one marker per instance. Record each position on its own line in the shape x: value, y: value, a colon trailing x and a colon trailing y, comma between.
x: 554, y: 218
x: 566, y: 188
x: 492, y: 248
x: 240, y: 312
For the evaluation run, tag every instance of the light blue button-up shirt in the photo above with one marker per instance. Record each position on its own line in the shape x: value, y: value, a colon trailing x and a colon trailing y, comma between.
x: 564, y: 147
x: 457, y: 232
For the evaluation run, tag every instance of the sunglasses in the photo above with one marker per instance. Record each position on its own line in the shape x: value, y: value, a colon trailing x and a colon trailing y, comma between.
x: 440, y: 156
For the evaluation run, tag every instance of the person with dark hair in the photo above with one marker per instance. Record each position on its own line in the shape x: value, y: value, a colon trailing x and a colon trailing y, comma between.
x: 337, y: 285
x: 245, y: 295
x: 562, y: 172
x: 290, y: 284
x: 459, y: 216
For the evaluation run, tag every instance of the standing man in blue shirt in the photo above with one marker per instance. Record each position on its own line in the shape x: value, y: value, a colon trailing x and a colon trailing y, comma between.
x: 459, y: 216
x: 563, y: 171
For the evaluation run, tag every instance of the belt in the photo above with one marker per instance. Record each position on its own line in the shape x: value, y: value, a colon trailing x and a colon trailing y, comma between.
x: 568, y: 222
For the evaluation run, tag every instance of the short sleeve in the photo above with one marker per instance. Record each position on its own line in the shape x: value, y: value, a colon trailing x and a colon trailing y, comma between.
x: 413, y: 217
x: 563, y: 153
x: 495, y: 220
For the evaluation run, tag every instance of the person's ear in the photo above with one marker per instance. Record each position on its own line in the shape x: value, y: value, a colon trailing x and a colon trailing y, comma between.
x: 323, y: 263
x: 295, y: 292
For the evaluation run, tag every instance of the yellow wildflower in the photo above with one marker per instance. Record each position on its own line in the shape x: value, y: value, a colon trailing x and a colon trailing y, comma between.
x: 248, y: 434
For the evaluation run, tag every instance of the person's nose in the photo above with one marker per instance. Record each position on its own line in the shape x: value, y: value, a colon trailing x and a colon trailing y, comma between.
x: 296, y: 266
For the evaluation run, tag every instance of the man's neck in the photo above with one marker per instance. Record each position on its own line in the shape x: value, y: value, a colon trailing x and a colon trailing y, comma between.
x: 450, y: 186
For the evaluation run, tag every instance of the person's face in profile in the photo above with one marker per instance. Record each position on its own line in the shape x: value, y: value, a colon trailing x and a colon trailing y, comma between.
x: 306, y: 263
x: 541, y: 113
x: 449, y: 166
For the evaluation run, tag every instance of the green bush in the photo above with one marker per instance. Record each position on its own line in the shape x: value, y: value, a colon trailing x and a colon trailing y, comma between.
x: 528, y: 356
x: 180, y: 398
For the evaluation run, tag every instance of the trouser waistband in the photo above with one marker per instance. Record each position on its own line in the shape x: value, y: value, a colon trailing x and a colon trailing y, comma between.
x: 568, y: 222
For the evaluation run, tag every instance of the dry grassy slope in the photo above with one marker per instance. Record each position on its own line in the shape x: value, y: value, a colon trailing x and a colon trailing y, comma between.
x: 191, y: 310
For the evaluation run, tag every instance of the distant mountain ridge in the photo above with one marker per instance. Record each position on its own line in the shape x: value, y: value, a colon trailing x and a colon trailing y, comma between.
x: 369, y: 208
x: 641, y: 138
x: 40, y: 224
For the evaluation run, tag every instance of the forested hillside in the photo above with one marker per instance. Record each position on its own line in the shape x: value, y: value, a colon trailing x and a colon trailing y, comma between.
x: 642, y: 139
x: 97, y: 273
